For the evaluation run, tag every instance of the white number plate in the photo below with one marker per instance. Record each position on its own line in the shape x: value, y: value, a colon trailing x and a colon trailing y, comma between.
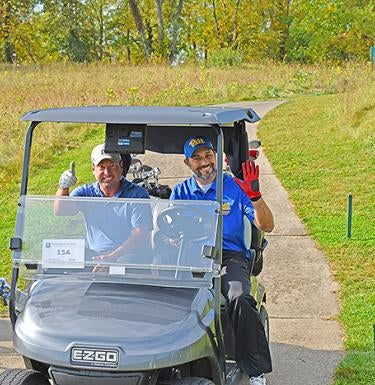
x: 63, y: 253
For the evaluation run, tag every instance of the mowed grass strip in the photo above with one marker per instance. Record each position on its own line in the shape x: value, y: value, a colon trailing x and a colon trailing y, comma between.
x: 322, y: 149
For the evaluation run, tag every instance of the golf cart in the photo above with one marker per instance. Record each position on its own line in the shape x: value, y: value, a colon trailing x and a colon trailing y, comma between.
x: 154, y: 316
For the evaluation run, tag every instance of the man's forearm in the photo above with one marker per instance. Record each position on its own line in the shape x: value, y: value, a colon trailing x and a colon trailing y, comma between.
x: 61, y: 192
x: 64, y: 208
x: 263, y: 215
x: 132, y: 244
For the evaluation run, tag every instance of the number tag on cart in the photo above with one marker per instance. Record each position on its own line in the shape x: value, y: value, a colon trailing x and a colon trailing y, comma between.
x: 63, y: 253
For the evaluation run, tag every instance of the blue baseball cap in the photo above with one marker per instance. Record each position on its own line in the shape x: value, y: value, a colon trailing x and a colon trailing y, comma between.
x: 195, y: 142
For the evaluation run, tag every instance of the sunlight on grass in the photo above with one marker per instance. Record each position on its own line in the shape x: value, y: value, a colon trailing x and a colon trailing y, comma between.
x: 320, y: 151
x: 357, y: 368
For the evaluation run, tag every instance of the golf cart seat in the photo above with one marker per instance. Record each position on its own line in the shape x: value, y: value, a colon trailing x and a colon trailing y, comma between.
x: 256, y: 243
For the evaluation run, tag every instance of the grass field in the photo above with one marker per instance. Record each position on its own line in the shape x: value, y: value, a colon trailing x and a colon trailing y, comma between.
x: 321, y: 145
x: 324, y: 154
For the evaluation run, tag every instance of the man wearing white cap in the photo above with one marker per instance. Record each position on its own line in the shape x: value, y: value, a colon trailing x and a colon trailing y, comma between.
x: 107, y: 169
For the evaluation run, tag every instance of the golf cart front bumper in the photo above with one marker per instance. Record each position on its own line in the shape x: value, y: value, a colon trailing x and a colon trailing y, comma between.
x: 62, y: 376
x: 114, y: 327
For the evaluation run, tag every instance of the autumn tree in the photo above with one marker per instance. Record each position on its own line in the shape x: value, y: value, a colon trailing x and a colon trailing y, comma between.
x: 14, y: 15
x: 175, y: 30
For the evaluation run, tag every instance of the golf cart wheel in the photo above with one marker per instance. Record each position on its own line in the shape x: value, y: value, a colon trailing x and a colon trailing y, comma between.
x: 23, y: 377
x: 192, y: 381
x: 263, y: 314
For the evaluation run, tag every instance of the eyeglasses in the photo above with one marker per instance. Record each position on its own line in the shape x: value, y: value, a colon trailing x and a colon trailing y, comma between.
x: 209, y: 156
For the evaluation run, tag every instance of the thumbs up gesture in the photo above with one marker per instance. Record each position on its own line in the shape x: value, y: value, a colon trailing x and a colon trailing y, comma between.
x: 68, y: 177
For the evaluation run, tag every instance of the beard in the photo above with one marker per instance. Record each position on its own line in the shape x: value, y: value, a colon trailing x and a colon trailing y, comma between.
x: 205, y: 177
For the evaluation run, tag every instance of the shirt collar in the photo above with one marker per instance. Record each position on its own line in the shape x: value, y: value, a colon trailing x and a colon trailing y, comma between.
x: 196, y: 187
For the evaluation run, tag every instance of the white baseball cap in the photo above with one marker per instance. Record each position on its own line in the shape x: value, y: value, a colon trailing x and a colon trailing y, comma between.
x: 98, y: 154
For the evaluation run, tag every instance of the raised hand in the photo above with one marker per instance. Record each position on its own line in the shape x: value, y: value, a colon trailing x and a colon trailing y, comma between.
x: 68, y: 177
x: 250, y: 184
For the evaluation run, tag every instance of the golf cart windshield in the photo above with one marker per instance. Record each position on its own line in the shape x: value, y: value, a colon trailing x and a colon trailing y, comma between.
x: 177, y: 246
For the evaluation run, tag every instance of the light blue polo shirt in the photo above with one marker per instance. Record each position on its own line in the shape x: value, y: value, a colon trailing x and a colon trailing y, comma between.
x: 116, y: 222
x: 236, y: 205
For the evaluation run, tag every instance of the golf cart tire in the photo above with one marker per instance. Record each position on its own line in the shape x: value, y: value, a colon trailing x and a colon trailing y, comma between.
x: 22, y: 377
x: 192, y: 381
x: 263, y: 314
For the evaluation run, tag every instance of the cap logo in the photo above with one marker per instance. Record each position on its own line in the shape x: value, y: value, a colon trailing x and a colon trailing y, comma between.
x: 195, y: 142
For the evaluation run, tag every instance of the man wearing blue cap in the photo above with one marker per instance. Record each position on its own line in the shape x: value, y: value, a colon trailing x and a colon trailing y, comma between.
x: 241, y: 198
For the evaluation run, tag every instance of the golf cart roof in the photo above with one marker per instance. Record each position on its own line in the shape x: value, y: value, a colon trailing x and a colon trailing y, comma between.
x: 167, y: 128
x: 144, y: 115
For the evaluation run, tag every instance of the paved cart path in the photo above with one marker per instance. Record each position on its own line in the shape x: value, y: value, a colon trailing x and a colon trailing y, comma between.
x: 306, y: 341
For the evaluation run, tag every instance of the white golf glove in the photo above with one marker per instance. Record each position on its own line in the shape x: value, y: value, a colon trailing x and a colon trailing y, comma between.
x: 68, y: 177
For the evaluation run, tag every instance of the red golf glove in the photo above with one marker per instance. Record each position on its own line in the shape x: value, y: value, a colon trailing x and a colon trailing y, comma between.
x: 253, y: 154
x: 250, y: 184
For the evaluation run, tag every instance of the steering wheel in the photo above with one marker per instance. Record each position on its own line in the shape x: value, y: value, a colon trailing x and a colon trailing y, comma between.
x: 179, y: 221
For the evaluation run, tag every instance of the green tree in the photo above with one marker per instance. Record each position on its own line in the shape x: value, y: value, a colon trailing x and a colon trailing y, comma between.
x: 156, y: 27
x: 138, y: 19
x: 176, y: 7
x: 77, y: 30
x: 7, y: 10
x: 359, y: 33
x: 227, y: 31
x: 14, y: 37
x: 335, y: 30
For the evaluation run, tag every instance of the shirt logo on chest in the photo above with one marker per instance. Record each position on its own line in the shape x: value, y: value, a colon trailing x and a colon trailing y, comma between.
x: 225, y: 208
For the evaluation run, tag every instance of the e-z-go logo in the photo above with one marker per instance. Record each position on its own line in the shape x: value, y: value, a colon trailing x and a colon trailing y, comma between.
x: 108, y: 358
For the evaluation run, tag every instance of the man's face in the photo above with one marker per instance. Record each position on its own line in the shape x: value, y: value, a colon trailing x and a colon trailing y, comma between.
x: 203, y: 164
x: 107, y: 173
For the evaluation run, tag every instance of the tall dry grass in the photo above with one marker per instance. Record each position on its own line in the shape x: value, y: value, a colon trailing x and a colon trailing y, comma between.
x: 30, y: 87
x: 355, y: 112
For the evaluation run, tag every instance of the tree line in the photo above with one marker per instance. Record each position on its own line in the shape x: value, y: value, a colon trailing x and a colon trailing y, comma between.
x: 215, y: 31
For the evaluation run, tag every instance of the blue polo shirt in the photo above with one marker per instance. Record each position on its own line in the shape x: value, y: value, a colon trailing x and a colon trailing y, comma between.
x: 108, y: 226
x: 236, y: 205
